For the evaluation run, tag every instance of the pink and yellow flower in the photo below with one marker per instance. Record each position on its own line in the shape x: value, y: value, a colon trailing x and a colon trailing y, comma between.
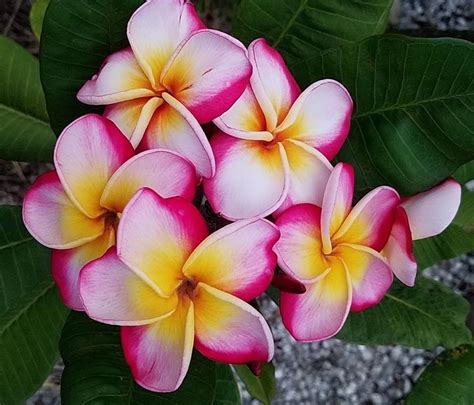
x: 418, y: 217
x: 176, y: 75
x: 171, y: 287
x: 75, y: 208
x: 275, y: 142
x: 335, y: 252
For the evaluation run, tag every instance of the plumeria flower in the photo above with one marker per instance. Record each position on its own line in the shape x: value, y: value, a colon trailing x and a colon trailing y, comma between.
x: 418, y: 217
x: 275, y: 142
x: 75, y: 208
x: 176, y: 75
x: 171, y: 287
x: 335, y: 252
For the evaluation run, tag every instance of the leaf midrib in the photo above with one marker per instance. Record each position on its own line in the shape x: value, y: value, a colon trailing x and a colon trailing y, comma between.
x: 15, y: 243
x: 290, y: 23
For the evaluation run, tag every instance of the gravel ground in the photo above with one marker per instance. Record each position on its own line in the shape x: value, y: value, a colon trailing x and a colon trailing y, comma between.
x: 330, y: 372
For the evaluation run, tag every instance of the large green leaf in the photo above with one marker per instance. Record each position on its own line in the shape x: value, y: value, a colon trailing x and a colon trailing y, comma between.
x: 37, y: 12
x: 448, y: 380
x: 261, y: 387
x: 414, y: 102
x: 298, y: 27
x: 424, y: 316
x: 457, y: 239
x: 25, y: 134
x: 96, y: 372
x: 77, y: 36
x: 31, y: 313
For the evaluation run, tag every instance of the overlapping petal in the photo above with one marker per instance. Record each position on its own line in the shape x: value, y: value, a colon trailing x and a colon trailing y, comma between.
x: 156, y: 237
x: 87, y: 153
x: 237, y: 258
x: 112, y: 293
x: 163, y: 171
x: 251, y: 179
x: 159, y: 353
x: 228, y: 329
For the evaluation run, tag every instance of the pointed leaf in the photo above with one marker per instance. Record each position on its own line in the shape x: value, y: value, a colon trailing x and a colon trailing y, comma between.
x: 37, y: 12
x: 261, y: 387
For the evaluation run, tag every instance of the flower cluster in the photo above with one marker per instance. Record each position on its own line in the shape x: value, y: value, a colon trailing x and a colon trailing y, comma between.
x: 131, y: 249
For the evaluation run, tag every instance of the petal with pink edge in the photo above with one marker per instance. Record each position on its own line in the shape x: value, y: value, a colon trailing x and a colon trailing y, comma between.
x: 156, y: 236
x: 120, y: 79
x: 132, y: 117
x: 159, y: 353
x: 320, y: 117
x: 399, y: 250
x: 337, y: 202
x: 156, y: 29
x: 237, y: 258
x: 370, y: 222
x: 173, y: 127
x: 67, y: 264
x: 87, y: 153
x: 251, y: 179
x: 208, y: 73
x: 299, y: 248
x: 165, y: 172
x: 112, y: 293
x: 321, y: 311
x: 274, y: 86
x: 309, y: 173
x: 53, y: 219
x: 431, y: 212
x: 228, y: 329
x: 369, y: 273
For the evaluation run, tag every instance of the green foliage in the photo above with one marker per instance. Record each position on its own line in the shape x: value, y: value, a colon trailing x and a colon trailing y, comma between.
x: 37, y: 12
x: 298, y: 28
x: 77, y: 36
x: 31, y: 313
x: 465, y: 173
x: 425, y: 316
x: 262, y: 387
x: 449, y: 379
x: 25, y: 134
x: 96, y: 372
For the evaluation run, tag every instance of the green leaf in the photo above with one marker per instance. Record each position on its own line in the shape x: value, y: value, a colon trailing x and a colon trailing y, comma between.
x: 96, y: 372
x: 456, y: 240
x: 262, y: 387
x: 299, y: 27
x: 425, y: 316
x: 37, y: 12
x: 449, y: 379
x: 31, y: 313
x: 77, y: 36
x: 414, y: 101
x: 465, y: 173
x: 25, y: 134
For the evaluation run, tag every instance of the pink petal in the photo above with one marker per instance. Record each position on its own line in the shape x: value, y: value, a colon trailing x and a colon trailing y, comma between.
x: 431, y: 212
x: 251, y: 179
x: 114, y: 294
x: 132, y: 117
x: 299, y: 249
x: 309, y: 173
x: 371, y: 220
x: 165, y: 172
x: 399, y: 250
x: 208, y: 73
x: 321, y: 311
x: 159, y: 354
x: 156, y: 237
x: 66, y: 265
x: 173, y: 127
x: 369, y: 273
x: 229, y: 330
x: 53, y: 219
x: 337, y: 202
x: 119, y: 79
x: 156, y: 29
x: 272, y: 82
x: 320, y: 117
x: 237, y: 258
x: 87, y: 153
